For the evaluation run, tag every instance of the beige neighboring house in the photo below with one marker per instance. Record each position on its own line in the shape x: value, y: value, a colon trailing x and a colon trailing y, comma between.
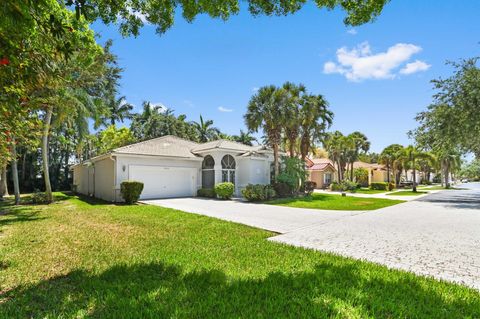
x: 170, y: 166
x: 321, y: 171
x: 377, y: 173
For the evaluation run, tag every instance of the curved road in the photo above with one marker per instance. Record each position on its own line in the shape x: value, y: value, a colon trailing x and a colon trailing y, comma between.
x: 437, y: 235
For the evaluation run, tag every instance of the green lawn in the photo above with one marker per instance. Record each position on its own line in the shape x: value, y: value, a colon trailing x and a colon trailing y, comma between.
x: 335, y: 202
x: 407, y: 193
x: 438, y: 187
x: 78, y: 259
x: 369, y: 191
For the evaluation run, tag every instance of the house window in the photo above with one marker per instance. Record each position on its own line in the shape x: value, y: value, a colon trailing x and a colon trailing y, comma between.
x: 208, y: 172
x: 327, y: 178
x: 228, y: 169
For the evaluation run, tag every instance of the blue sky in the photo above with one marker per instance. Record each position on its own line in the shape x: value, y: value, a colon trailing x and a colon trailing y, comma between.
x: 376, y: 77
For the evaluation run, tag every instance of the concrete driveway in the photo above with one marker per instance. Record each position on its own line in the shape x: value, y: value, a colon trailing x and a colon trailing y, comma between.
x: 274, y: 218
x: 437, y: 235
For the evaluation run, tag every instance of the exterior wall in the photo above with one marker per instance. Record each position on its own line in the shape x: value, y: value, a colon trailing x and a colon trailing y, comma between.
x: 379, y: 176
x: 104, y: 179
x: 319, y: 177
x: 81, y: 174
x: 248, y: 170
x: 123, y: 163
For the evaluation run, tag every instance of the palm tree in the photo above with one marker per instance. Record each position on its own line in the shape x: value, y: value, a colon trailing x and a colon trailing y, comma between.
x: 388, y: 157
x: 245, y: 138
x: 410, y: 155
x: 118, y: 110
x: 360, y: 143
x: 449, y: 162
x: 294, y: 94
x: 205, y: 130
x: 315, y: 118
x: 337, y: 146
x: 265, y: 111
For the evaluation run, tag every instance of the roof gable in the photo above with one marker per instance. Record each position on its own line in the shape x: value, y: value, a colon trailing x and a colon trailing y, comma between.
x: 162, y: 146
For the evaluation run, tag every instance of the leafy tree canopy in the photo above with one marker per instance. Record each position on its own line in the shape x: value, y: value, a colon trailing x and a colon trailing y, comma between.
x: 132, y: 15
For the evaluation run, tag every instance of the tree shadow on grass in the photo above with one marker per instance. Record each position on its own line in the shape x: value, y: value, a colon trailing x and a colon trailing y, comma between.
x: 157, y: 290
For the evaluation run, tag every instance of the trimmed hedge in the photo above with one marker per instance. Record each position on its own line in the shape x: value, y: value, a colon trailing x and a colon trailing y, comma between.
x: 258, y: 192
x: 206, y: 192
x: 224, y: 190
x: 391, y: 186
x: 344, y: 186
x: 382, y: 186
x: 131, y: 191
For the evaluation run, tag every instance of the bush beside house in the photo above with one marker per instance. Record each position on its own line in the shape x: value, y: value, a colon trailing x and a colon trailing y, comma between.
x: 206, y: 192
x: 344, y: 186
x: 382, y: 186
x: 258, y: 192
x: 224, y: 190
x: 131, y: 191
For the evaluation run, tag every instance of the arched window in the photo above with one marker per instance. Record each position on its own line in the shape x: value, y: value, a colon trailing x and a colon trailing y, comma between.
x: 208, y: 162
x: 208, y: 174
x: 228, y: 169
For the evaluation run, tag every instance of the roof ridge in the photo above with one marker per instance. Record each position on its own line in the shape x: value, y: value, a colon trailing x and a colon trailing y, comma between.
x: 152, y: 139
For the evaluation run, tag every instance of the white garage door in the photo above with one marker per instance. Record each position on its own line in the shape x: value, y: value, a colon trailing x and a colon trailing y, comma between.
x: 162, y: 182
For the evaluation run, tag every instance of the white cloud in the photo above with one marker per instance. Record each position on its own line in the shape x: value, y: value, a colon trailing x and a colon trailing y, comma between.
x: 224, y: 109
x: 360, y: 63
x: 352, y: 31
x: 255, y: 89
x: 161, y: 107
x: 414, y: 67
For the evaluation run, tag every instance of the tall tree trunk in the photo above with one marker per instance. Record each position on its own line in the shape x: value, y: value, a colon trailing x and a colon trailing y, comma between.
x: 46, y: 130
x: 340, y: 175
x: 447, y: 183
x: 3, y: 181
x: 414, y: 176
x: 16, y: 187
x: 388, y: 174
x: 275, y: 160
x: 351, y: 171
x: 291, y: 147
x: 65, y: 172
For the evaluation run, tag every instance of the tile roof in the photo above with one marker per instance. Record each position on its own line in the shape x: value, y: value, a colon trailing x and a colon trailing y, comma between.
x: 162, y: 146
x: 174, y: 146
x: 224, y: 144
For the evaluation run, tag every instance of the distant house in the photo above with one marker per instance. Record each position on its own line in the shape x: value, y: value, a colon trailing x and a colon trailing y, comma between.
x: 170, y: 166
x: 321, y: 171
x: 377, y: 173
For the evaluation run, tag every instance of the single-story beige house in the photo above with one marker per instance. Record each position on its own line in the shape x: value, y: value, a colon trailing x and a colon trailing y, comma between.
x: 321, y: 171
x: 170, y: 166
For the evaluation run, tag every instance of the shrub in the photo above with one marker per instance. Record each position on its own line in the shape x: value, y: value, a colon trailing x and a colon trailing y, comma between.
x: 38, y: 197
x: 391, y: 186
x: 361, y: 176
x: 131, y: 191
x: 344, y: 186
x: 382, y: 186
x: 258, y: 192
x: 206, y: 192
x: 293, y: 173
x: 282, y: 189
x: 310, y: 187
x: 224, y: 190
